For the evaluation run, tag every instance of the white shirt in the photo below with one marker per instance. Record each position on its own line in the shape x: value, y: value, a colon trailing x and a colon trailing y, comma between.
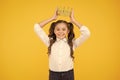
x: 60, y: 59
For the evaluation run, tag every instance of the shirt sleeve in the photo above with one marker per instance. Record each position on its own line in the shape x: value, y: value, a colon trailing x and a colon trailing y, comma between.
x: 41, y: 34
x: 85, y: 33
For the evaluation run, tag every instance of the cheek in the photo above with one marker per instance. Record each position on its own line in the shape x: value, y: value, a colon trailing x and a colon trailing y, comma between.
x: 66, y: 32
x: 56, y: 32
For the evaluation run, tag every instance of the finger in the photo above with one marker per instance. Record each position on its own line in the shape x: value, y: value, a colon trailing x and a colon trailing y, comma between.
x: 56, y: 11
x: 72, y: 12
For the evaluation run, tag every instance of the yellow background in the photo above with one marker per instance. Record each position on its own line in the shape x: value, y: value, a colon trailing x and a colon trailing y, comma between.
x: 23, y: 55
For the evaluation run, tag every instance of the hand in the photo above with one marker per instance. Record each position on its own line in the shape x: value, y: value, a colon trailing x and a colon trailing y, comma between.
x: 55, y: 14
x: 72, y: 19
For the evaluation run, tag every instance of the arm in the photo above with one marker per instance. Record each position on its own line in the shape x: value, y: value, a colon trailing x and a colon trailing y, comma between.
x: 40, y: 32
x: 79, y: 25
x: 43, y: 23
x: 85, y: 33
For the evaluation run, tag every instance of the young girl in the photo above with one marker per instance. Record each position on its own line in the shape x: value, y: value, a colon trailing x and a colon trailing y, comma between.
x: 61, y: 44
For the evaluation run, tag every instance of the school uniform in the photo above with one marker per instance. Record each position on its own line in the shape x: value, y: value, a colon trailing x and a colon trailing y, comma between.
x: 60, y: 62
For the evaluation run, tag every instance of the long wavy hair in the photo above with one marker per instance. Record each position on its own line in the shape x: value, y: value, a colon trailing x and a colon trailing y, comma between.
x: 52, y: 36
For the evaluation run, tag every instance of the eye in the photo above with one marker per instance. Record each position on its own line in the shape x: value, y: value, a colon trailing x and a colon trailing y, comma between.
x: 63, y: 29
x: 57, y: 29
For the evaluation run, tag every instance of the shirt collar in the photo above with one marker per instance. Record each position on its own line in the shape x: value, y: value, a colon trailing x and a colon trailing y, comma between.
x: 64, y: 39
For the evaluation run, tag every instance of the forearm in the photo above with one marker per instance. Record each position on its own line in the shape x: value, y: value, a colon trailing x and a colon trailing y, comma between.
x: 77, y: 23
x: 43, y: 23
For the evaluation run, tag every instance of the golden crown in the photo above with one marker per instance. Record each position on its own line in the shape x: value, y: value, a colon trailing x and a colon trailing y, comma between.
x: 64, y: 11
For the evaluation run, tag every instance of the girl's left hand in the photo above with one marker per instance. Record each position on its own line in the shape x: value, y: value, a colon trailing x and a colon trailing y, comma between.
x: 72, y: 19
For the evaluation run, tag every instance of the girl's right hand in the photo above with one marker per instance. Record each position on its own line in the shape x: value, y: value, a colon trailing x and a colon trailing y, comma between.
x: 55, y: 14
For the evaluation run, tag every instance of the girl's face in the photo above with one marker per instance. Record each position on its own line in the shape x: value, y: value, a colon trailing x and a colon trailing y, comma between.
x: 61, y: 30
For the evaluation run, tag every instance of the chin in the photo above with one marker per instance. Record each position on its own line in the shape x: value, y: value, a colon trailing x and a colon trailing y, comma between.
x: 62, y: 37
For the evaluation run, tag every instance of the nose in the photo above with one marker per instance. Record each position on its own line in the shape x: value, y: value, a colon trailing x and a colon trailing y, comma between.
x: 60, y: 31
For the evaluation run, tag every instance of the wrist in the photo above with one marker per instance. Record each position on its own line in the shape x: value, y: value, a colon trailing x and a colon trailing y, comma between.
x: 53, y: 18
x: 73, y: 20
